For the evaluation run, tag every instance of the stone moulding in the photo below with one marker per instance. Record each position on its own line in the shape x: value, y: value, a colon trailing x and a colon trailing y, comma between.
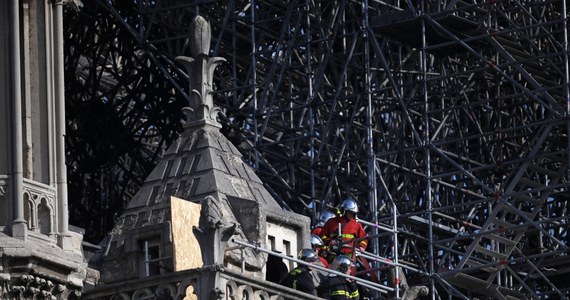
x: 35, y: 287
x: 232, y: 285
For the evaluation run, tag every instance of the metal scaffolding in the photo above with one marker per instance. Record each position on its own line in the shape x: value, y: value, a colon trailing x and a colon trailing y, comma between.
x: 447, y: 120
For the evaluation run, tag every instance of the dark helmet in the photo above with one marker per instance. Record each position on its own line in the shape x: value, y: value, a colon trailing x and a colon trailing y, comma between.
x: 316, y: 241
x: 324, y: 217
x: 341, y: 263
x: 349, y: 205
x: 308, y: 255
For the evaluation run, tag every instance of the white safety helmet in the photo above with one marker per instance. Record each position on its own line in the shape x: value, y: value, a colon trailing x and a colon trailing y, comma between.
x: 308, y: 255
x: 350, y: 205
x: 341, y: 263
x: 324, y: 217
x: 316, y: 241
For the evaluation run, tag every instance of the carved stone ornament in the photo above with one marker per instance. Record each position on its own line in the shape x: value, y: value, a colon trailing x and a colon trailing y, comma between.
x: 34, y: 287
x: 213, y: 232
x: 200, y: 70
x: 211, y: 215
x: 201, y: 36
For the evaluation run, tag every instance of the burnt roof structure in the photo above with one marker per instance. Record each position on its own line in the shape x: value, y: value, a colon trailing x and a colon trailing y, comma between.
x: 448, y: 121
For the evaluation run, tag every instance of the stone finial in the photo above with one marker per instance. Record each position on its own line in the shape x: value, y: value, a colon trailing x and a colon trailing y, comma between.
x: 201, y: 35
x: 200, y: 75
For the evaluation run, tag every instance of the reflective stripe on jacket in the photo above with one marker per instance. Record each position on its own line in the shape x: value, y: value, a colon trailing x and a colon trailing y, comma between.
x: 338, y: 288
x: 300, y: 279
x: 351, y: 229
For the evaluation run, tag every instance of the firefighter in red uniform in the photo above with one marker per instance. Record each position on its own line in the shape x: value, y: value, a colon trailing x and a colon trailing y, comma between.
x: 319, y: 247
x: 342, y: 234
x: 323, y: 218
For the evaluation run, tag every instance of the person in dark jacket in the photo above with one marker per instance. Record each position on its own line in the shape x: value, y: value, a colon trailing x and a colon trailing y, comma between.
x: 301, y: 278
x: 336, y: 287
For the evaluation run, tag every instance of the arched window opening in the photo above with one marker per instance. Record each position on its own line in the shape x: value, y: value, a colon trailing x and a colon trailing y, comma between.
x: 44, y: 218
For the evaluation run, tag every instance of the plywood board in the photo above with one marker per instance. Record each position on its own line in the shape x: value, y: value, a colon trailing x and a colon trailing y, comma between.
x: 185, y: 215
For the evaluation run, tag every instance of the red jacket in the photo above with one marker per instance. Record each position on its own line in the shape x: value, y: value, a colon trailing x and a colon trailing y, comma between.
x: 351, y: 230
x: 317, y: 231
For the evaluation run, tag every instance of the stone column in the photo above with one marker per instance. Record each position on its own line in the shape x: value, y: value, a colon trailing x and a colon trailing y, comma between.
x: 16, y: 197
x: 59, y: 97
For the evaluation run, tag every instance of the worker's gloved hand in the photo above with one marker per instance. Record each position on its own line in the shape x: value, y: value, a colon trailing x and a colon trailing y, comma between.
x: 334, y: 246
x: 362, y: 249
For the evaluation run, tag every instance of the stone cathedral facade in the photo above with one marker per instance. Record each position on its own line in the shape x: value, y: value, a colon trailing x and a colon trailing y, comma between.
x: 41, y: 255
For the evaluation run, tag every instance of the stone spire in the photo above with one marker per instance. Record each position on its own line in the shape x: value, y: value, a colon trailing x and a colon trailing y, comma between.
x: 201, y: 196
x: 200, y: 69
